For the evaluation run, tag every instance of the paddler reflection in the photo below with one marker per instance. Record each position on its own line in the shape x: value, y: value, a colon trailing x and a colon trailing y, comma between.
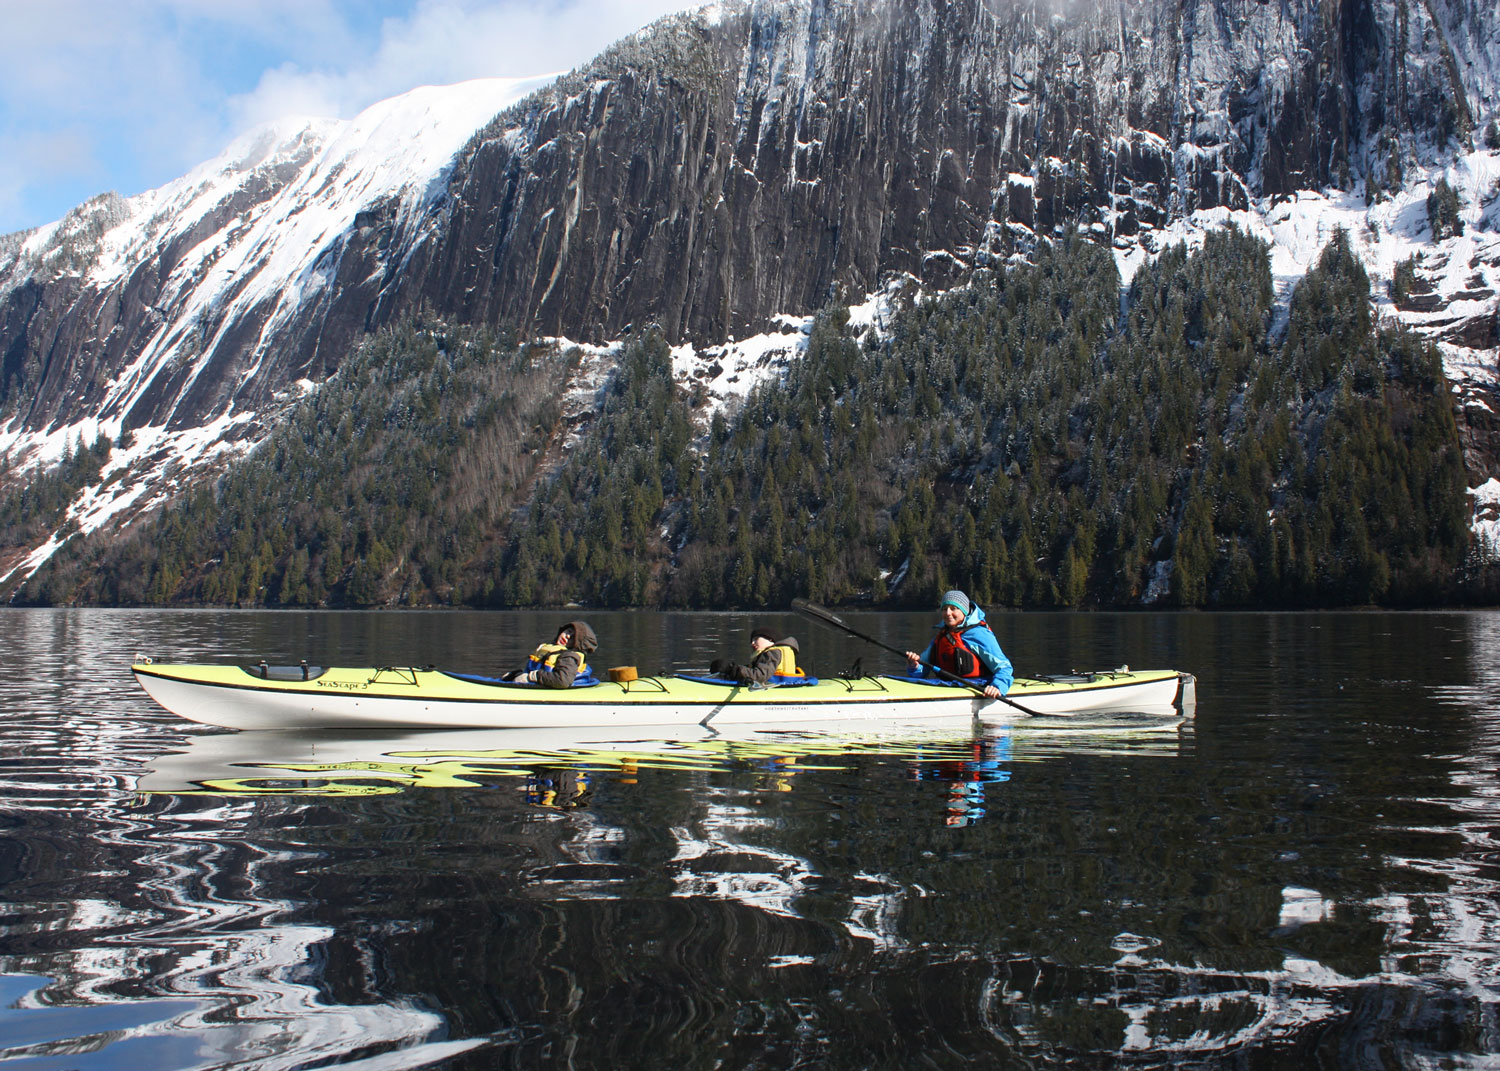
x: 777, y: 772
x: 558, y: 789
x: 967, y: 777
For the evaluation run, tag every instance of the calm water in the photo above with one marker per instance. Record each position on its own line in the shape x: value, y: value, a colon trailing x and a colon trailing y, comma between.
x: 1304, y: 875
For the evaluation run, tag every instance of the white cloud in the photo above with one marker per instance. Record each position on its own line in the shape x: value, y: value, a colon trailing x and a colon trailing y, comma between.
x: 98, y: 94
x: 445, y: 41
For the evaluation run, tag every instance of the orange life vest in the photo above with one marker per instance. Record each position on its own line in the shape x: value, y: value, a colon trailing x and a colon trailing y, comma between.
x: 950, y: 652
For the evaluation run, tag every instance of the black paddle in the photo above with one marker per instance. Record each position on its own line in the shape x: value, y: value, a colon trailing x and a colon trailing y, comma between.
x: 815, y: 611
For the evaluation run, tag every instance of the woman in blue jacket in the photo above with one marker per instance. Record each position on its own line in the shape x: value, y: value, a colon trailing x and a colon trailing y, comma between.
x: 966, y: 647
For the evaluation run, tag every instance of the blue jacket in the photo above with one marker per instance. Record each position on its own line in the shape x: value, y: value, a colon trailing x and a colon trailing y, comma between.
x: 983, y: 643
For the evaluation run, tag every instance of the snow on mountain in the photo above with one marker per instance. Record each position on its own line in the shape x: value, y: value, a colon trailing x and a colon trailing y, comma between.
x: 1463, y: 271
x: 231, y: 252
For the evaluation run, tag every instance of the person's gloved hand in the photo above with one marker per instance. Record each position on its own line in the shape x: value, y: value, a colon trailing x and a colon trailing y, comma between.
x: 718, y: 667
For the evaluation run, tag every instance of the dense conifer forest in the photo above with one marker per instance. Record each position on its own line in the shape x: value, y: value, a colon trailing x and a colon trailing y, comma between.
x: 382, y: 487
x: 1032, y: 438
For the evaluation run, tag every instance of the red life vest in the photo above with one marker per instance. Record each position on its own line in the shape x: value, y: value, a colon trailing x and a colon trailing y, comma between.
x: 950, y: 652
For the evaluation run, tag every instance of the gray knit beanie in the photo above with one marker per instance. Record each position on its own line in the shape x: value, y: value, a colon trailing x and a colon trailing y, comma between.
x: 957, y: 599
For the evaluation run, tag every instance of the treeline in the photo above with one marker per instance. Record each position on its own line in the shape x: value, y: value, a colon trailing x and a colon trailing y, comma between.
x: 594, y: 535
x: 1031, y: 438
x: 35, y: 503
x: 384, y: 486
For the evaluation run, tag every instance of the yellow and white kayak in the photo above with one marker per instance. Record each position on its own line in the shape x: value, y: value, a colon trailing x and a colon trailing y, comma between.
x: 311, y: 697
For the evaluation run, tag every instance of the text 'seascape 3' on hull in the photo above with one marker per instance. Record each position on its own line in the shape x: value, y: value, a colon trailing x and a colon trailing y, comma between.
x: 262, y: 697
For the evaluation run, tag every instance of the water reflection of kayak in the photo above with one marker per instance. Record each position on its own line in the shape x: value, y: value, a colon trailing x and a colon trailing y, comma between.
x: 310, y: 697
x: 339, y: 762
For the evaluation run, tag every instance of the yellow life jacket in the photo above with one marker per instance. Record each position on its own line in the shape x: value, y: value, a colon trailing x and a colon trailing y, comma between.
x: 545, y: 657
x: 788, y: 666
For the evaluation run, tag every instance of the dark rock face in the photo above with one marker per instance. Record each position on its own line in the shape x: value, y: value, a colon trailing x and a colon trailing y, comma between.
x: 66, y: 337
x: 709, y: 176
x: 706, y: 175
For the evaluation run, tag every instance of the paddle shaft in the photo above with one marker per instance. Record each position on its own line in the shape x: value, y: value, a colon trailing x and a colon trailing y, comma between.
x: 813, y: 610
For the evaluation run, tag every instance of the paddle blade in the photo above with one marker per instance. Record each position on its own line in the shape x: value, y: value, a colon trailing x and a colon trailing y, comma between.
x: 812, y: 609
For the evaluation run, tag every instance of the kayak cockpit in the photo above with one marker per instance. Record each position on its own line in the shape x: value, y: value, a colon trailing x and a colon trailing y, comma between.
x: 301, y: 672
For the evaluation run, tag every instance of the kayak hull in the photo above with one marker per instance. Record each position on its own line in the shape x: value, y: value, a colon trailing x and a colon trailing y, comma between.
x: 237, y: 697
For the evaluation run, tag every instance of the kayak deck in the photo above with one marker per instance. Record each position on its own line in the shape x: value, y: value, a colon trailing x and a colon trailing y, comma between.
x: 270, y: 697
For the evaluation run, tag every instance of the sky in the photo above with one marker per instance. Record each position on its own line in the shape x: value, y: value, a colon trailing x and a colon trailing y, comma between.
x: 126, y: 95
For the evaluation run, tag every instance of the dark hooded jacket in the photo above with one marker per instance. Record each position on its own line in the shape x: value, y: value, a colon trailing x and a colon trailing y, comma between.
x: 558, y: 669
x: 762, y: 667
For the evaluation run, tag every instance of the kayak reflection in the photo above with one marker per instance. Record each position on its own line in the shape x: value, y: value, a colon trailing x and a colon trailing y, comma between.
x: 557, y: 768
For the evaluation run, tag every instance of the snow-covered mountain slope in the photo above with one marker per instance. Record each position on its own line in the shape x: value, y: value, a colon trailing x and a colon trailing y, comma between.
x: 724, y: 174
x: 172, y: 285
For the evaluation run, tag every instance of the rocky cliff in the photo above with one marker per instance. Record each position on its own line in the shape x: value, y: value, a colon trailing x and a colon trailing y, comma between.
x: 718, y: 171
